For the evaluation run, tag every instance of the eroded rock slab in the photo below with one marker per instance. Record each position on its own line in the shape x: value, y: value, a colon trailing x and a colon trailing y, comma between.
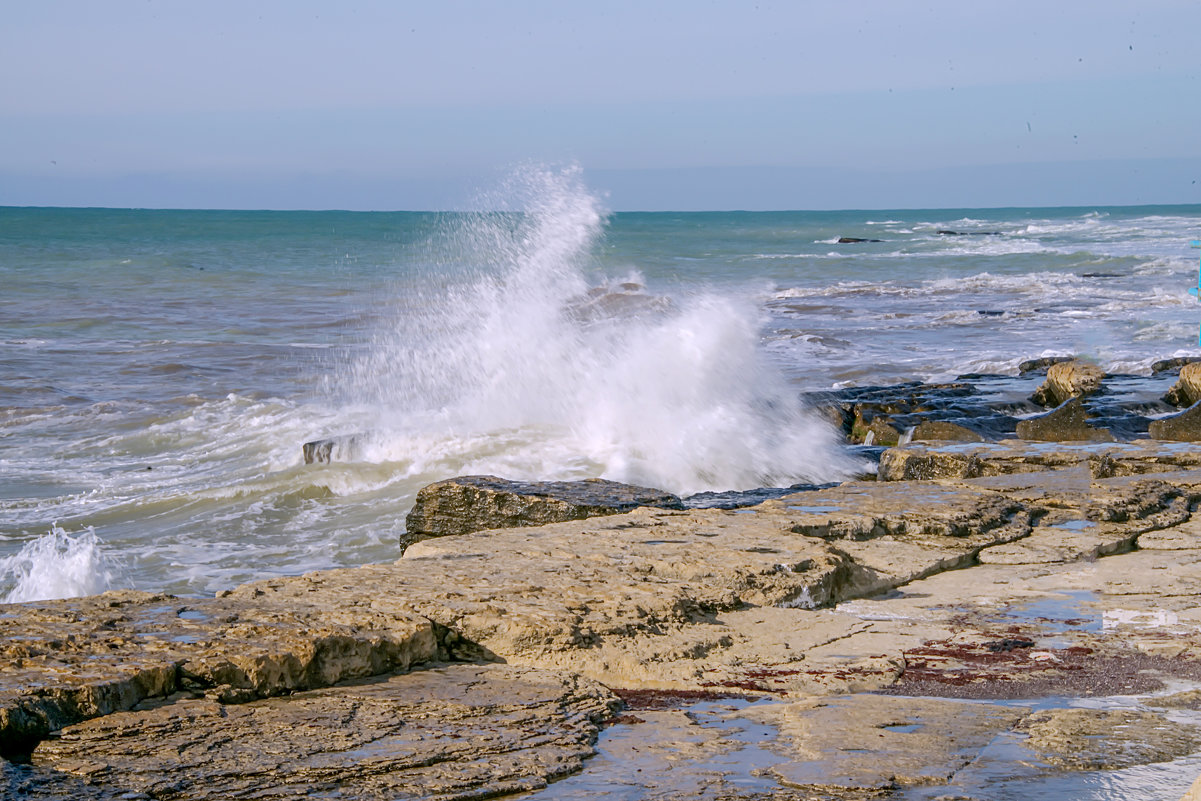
x: 475, y: 503
x: 66, y: 661
x: 452, y: 732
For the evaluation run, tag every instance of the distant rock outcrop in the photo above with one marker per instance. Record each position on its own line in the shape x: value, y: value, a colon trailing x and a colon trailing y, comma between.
x: 1070, y: 379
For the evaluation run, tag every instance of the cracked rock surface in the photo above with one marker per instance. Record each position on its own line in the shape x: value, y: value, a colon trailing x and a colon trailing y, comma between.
x: 1016, y: 574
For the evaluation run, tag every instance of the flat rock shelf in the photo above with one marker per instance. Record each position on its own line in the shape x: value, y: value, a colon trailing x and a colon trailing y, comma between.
x: 988, y: 619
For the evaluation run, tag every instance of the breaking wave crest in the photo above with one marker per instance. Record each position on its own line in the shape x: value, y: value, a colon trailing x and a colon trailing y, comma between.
x: 516, y: 355
x: 57, y: 565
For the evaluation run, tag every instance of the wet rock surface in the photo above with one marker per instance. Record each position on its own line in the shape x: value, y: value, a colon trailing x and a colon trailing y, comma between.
x: 991, y: 406
x: 1183, y: 427
x: 849, y: 641
x: 456, y: 731
x: 1107, y: 739
x: 1065, y: 423
x: 1067, y: 380
x: 474, y: 503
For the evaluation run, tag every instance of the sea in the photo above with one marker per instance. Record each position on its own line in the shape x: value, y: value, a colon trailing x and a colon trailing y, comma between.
x: 160, y: 371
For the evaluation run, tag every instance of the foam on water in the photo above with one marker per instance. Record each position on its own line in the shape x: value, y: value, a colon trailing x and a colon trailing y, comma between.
x: 512, y: 370
x: 57, y: 565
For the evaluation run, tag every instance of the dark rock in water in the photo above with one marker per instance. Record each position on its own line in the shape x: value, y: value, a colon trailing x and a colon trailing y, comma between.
x: 873, y: 429
x: 904, y: 406
x: 1066, y: 423
x: 324, y: 451
x: 989, y: 312
x: 948, y: 232
x: 1166, y: 365
x: 1187, y: 389
x: 740, y: 499
x: 838, y: 415
x: 1183, y: 427
x: 941, y: 430
x: 475, y: 503
x: 1032, y: 365
x: 1070, y: 379
x: 318, y: 451
x: 850, y: 240
x: 1101, y: 275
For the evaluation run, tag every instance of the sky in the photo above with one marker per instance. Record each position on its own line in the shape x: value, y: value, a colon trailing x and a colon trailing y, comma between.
x: 665, y: 105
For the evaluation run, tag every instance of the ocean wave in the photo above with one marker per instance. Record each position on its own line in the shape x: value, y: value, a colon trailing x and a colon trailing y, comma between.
x: 678, y: 396
x: 58, y: 565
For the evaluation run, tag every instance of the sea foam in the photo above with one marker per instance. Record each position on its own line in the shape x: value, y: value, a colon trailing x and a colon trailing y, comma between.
x: 520, y: 357
x: 57, y: 565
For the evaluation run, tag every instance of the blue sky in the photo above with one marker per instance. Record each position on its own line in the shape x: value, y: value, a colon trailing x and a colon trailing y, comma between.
x: 673, y: 105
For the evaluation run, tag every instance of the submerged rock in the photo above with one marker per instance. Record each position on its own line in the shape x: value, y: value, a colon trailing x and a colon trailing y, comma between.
x: 851, y: 240
x: 870, y: 746
x: 1187, y: 389
x: 1107, y: 739
x: 1066, y: 423
x: 1070, y: 379
x: 475, y: 503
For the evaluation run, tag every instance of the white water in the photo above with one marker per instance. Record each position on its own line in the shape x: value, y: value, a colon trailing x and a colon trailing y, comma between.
x: 57, y: 565
x: 534, y: 365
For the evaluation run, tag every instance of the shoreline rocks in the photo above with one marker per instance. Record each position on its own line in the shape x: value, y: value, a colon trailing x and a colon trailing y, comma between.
x: 486, y: 660
x: 1067, y: 380
x: 1187, y: 389
x: 1065, y: 423
x: 474, y: 503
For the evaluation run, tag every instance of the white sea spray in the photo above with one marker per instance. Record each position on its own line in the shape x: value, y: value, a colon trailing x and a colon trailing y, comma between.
x: 58, y: 565
x: 536, y: 365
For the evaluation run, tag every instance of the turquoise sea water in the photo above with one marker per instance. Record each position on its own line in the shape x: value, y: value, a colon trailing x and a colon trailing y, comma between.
x: 159, y: 370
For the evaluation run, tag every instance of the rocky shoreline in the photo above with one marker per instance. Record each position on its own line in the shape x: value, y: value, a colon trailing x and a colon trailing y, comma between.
x: 874, y: 639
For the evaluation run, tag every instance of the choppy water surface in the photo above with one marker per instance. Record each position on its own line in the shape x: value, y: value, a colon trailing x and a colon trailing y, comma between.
x: 159, y: 370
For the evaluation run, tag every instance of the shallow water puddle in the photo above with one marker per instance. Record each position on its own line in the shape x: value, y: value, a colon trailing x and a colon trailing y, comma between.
x: 693, y: 751
x: 716, y: 749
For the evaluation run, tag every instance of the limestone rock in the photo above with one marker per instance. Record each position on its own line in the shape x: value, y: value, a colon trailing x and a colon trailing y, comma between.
x: 1107, y: 739
x: 454, y: 732
x: 475, y: 503
x: 940, y: 430
x: 1182, y: 427
x: 1187, y: 389
x: 914, y: 464
x: 1066, y: 423
x: 66, y: 661
x: 878, y: 743
x: 1070, y: 379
